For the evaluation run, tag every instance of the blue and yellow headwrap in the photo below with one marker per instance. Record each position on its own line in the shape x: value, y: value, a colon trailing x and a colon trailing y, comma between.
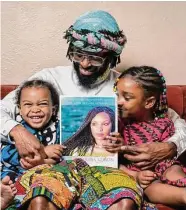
x: 95, y: 31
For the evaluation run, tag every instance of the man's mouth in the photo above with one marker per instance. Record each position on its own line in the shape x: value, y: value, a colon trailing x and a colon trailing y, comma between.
x: 89, y: 68
x: 86, y: 71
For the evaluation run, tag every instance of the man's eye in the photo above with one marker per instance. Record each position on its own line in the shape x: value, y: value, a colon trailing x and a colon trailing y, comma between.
x: 96, y: 59
x: 78, y: 55
x: 93, y: 58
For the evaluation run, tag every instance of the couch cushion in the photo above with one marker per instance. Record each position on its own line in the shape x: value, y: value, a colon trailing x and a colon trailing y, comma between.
x: 5, y: 89
x: 175, y: 98
x: 184, y: 101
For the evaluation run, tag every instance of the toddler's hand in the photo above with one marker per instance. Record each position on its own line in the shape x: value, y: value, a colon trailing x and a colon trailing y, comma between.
x: 114, y: 142
x: 28, y: 162
x: 54, y: 151
x: 144, y: 178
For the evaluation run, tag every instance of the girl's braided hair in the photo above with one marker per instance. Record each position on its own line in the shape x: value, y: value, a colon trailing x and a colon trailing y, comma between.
x: 82, y: 140
x: 153, y: 84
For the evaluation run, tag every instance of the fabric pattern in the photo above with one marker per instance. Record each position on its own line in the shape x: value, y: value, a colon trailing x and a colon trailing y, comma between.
x: 70, y: 182
x: 95, y: 31
x: 10, y: 159
x: 144, y: 132
x: 159, y: 130
x: 136, y: 133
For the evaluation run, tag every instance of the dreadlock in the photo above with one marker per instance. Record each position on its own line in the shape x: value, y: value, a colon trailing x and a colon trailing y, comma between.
x: 82, y: 140
x: 153, y: 83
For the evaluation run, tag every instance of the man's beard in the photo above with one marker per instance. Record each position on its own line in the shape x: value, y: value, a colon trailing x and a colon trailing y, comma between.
x: 88, y: 81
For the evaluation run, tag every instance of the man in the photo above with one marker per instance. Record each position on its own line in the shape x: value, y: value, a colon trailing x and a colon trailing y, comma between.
x: 95, y: 44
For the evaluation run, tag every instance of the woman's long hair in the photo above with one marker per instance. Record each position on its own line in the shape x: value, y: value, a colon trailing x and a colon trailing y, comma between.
x: 82, y: 140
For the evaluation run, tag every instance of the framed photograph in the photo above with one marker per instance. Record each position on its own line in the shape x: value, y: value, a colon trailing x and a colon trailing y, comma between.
x: 84, y: 124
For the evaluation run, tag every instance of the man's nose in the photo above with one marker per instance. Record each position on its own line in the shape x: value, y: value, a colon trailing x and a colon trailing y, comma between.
x: 85, y: 63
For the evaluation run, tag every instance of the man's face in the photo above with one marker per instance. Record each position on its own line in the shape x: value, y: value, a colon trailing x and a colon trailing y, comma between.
x: 89, y: 66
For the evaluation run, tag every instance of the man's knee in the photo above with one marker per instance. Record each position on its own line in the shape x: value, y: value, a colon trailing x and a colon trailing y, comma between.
x: 39, y: 200
x: 124, y: 204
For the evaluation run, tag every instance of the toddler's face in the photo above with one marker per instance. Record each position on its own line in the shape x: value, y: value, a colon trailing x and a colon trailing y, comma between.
x: 131, y: 100
x: 36, y: 106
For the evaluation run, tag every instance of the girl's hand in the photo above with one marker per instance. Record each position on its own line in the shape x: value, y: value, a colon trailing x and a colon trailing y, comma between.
x: 54, y: 151
x: 144, y: 178
x: 114, y: 142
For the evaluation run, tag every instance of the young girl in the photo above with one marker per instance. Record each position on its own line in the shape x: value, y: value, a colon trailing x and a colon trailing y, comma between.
x: 38, y: 103
x: 142, y: 105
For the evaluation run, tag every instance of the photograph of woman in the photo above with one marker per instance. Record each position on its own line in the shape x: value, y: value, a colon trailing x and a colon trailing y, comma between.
x: 92, y: 134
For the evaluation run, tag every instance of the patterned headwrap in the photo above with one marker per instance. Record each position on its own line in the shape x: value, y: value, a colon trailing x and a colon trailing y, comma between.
x: 95, y: 31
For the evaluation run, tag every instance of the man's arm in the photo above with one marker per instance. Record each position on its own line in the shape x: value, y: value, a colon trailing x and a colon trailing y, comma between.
x: 147, y: 155
x: 8, y: 105
x: 8, y: 110
x: 26, y: 143
x: 179, y: 138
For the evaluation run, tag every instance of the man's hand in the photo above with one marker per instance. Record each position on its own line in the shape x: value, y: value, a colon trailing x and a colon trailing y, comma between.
x: 28, y: 162
x: 114, y: 142
x: 144, y: 178
x: 146, y: 156
x: 26, y: 143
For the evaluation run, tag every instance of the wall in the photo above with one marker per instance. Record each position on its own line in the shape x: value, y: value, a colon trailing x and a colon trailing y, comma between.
x: 31, y: 35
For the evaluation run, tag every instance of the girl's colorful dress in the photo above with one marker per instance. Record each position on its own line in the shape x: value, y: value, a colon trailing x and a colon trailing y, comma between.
x: 157, y: 130
x: 76, y: 185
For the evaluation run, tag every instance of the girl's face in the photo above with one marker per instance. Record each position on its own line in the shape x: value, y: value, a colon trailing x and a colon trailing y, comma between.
x: 36, y: 106
x: 101, y: 126
x: 131, y: 100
